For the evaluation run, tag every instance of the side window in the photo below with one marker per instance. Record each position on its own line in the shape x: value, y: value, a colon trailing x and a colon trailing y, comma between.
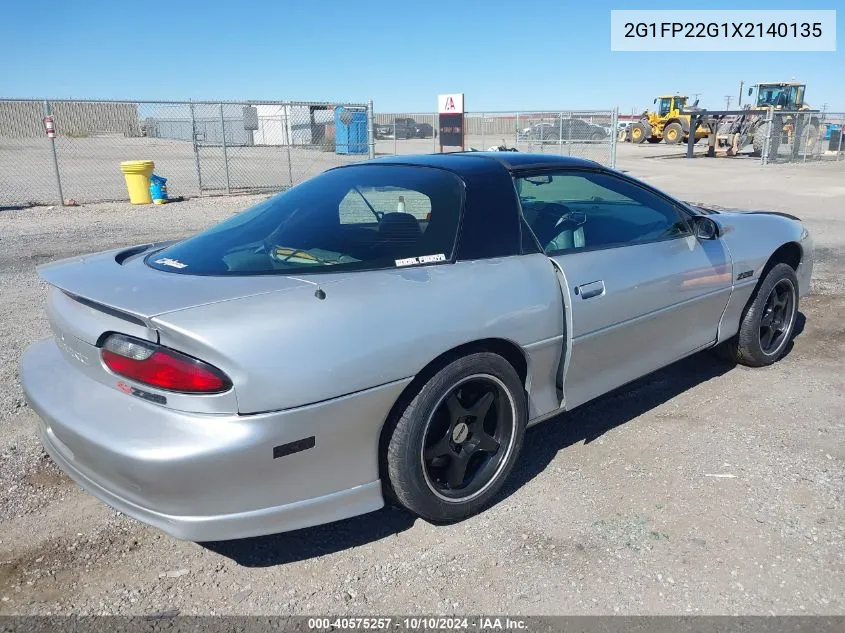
x: 570, y: 211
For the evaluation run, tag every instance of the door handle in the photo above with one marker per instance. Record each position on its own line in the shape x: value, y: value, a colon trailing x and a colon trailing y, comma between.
x: 590, y: 290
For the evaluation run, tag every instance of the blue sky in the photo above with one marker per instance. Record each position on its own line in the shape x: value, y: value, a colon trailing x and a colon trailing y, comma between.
x: 503, y: 54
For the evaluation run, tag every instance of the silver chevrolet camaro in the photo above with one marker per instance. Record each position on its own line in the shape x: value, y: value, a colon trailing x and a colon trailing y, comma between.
x: 387, y: 330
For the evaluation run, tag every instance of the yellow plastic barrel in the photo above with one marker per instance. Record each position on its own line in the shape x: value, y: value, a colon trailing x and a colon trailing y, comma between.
x: 137, y: 174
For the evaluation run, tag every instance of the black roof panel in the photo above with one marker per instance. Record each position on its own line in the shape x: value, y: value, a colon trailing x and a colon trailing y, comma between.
x: 472, y: 161
x: 516, y: 160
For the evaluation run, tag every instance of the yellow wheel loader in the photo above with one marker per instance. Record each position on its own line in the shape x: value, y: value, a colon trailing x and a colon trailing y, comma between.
x: 785, y: 98
x: 670, y: 123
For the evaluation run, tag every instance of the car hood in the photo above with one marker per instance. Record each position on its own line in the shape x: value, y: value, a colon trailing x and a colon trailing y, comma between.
x: 119, y: 279
x: 712, y: 209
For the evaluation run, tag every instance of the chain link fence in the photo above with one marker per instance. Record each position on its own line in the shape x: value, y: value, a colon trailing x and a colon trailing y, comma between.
x: 586, y: 134
x: 405, y: 133
x: 802, y: 137
x: 236, y: 147
x: 200, y: 147
x: 233, y: 147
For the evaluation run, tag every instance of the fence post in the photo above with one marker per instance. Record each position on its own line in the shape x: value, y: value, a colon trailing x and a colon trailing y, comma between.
x: 569, y: 137
x: 560, y: 133
x: 435, y: 132
x: 841, y: 133
x: 196, y: 149
x: 807, y: 139
x: 516, y: 133
x: 225, y: 152
x: 614, y: 124
x: 371, y: 131
x: 47, y: 112
x: 767, y: 142
x: 288, y: 137
x: 797, y: 136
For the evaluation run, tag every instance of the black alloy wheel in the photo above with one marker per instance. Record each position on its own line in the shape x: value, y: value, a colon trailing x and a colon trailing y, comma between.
x: 776, y: 320
x: 768, y: 320
x: 468, y: 438
x: 449, y: 450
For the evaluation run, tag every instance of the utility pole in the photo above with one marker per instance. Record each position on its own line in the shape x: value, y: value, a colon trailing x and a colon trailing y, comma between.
x: 728, y: 102
x: 741, y: 86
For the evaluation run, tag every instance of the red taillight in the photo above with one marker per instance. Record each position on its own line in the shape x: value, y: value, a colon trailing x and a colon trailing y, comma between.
x: 160, y: 367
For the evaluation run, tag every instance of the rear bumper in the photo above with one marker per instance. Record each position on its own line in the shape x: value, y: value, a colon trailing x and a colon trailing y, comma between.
x: 205, y: 477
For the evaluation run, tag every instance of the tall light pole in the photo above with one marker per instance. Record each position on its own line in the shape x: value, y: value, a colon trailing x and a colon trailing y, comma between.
x: 728, y: 102
x: 741, y: 86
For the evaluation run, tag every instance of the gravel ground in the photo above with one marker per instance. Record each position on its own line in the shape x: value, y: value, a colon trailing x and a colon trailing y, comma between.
x: 704, y: 488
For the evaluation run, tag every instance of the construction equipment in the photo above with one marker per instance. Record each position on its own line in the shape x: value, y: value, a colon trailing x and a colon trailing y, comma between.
x: 772, y: 116
x: 670, y: 123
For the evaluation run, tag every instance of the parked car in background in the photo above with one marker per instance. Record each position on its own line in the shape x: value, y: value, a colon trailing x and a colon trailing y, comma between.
x: 407, y: 128
x: 425, y: 130
x: 383, y: 130
x: 386, y: 331
x: 403, y: 128
x: 565, y: 129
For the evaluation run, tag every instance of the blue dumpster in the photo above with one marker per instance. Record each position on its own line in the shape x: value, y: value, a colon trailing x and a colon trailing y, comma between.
x: 350, y: 130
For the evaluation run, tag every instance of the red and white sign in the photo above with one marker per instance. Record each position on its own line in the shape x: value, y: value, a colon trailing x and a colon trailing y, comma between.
x: 451, y: 103
x: 49, y: 127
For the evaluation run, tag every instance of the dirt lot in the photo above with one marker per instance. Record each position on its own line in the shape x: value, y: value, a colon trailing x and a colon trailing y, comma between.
x: 704, y: 488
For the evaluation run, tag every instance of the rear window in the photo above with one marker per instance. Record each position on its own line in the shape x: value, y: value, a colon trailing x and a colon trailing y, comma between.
x: 355, y: 218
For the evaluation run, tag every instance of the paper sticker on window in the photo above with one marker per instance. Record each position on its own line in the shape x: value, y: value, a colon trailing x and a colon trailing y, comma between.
x: 167, y: 261
x: 422, y: 259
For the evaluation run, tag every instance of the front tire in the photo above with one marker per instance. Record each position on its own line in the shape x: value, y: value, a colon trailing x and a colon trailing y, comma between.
x: 673, y: 133
x: 769, y: 319
x: 768, y: 129
x: 640, y: 131
x: 457, y: 441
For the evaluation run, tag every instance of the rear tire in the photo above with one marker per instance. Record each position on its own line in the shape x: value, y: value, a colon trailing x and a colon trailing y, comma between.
x: 456, y: 442
x: 768, y: 322
x: 673, y: 133
x: 640, y: 131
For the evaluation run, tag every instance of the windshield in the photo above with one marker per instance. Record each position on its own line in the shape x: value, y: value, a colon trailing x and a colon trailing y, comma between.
x: 782, y: 96
x: 354, y: 218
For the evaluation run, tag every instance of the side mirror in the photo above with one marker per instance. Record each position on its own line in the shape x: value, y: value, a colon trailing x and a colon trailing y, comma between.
x: 704, y: 228
x: 655, y: 101
x: 750, y: 90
